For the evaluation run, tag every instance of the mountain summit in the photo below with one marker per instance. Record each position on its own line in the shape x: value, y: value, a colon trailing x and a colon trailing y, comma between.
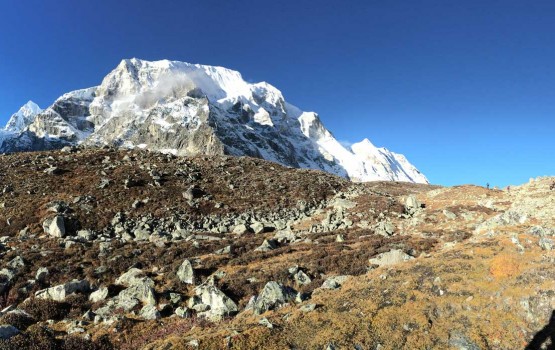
x: 186, y: 109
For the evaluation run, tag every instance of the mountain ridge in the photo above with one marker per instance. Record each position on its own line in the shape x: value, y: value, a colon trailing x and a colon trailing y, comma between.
x: 186, y: 109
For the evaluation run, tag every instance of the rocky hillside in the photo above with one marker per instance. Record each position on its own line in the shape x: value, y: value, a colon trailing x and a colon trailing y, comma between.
x: 129, y: 249
x: 191, y: 109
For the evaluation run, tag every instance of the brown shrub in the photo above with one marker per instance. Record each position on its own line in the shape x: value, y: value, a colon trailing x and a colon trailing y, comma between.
x: 43, y: 309
x: 19, y: 320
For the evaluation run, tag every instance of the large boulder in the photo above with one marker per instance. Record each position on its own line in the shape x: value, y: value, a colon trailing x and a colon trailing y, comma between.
x: 55, y: 226
x: 392, y: 257
x: 273, y: 296
x: 214, y: 302
x: 185, y: 272
x: 60, y: 292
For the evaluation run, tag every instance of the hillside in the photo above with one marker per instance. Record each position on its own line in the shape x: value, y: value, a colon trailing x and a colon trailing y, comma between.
x: 130, y: 249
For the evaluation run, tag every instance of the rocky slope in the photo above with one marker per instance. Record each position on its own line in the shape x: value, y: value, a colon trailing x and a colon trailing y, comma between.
x: 105, y: 248
x: 187, y: 109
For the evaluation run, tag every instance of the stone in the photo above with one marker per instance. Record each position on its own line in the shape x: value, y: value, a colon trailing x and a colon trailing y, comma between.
x: 16, y: 263
x: 302, y: 278
x: 257, y: 227
x: 55, y: 226
x: 99, y: 295
x: 139, y: 292
x: 308, y: 307
x: 185, y: 272
x: 385, y: 228
x: 141, y: 235
x: 392, y: 257
x: 449, y: 215
x: 183, y: 312
x: 240, y: 229
x: 193, y: 193
x: 334, y: 282
x: 546, y: 243
x: 7, y: 331
x: 149, y: 312
x: 86, y: 235
x: 219, y: 304
x: 266, y: 323
x: 273, y: 295
x: 267, y: 245
x: 412, y: 205
x: 60, y: 292
x: 133, y: 277
x: 42, y: 274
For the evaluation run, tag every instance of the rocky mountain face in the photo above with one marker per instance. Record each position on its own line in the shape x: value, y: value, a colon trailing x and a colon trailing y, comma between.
x: 188, y: 109
x: 104, y: 248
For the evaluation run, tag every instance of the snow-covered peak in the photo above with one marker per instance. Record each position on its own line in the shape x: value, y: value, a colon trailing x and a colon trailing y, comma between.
x: 22, y: 118
x: 186, y: 108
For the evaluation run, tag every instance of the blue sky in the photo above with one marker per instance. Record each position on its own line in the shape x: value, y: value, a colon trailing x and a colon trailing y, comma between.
x: 465, y: 89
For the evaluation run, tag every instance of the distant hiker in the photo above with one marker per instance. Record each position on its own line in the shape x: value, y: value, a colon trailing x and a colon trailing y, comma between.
x: 487, y: 185
x: 508, y: 188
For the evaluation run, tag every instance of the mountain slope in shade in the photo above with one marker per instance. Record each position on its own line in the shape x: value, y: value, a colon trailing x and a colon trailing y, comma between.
x: 185, y: 109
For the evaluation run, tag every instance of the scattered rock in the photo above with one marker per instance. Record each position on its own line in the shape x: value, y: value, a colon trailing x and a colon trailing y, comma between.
x: 55, y: 226
x: 185, y: 272
x: 392, y: 257
x: 273, y: 296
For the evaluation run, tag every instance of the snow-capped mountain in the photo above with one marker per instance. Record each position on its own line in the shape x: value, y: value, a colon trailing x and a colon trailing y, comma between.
x: 184, y: 109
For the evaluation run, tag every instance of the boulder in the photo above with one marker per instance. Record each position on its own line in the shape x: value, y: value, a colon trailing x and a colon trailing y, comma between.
x: 257, y: 227
x: 217, y: 302
x: 273, y: 296
x: 267, y: 245
x: 240, y: 229
x: 55, y: 226
x: 60, y: 292
x: 149, y: 312
x: 42, y: 274
x: 412, y: 205
x: 99, y: 295
x: 185, y: 272
x: 392, y: 257
x: 334, y: 282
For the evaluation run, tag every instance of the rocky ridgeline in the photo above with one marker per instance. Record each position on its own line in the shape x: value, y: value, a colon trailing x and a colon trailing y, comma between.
x: 120, y: 249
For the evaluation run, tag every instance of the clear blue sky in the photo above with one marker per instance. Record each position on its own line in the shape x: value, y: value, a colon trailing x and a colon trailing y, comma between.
x: 465, y: 89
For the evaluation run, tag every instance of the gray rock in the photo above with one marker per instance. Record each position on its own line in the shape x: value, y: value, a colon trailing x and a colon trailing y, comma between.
x: 546, y: 243
x: 99, y: 295
x: 139, y: 292
x: 141, y: 235
x: 16, y: 263
x: 134, y: 277
x: 183, y: 312
x: 42, y: 274
x: 461, y: 342
x: 257, y: 227
x: 412, y: 205
x: 149, y: 312
x: 219, y: 304
x: 240, y: 229
x: 267, y: 245
x: 60, y: 292
x: 308, y: 307
x: 185, y: 272
x: 392, y: 257
x: 449, y: 215
x: 273, y: 296
x: 7, y: 331
x: 385, y: 228
x: 55, y: 226
x: 302, y: 278
x: 334, y: 282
